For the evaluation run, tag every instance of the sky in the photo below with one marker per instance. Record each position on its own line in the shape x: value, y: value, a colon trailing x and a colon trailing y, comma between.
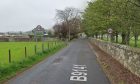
x: 24, y: 15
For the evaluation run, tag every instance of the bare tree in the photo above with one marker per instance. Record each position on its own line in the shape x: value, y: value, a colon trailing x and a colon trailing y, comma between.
x: 69, y: 16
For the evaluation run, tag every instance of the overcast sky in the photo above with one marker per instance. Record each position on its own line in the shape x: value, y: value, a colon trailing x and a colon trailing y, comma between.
x: 24, y: 15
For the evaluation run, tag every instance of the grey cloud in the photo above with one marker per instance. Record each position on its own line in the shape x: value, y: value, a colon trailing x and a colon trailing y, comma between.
x: 24, y: 15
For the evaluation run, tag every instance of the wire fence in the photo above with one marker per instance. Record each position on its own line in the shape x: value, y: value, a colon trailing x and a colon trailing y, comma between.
x: 24, y: 51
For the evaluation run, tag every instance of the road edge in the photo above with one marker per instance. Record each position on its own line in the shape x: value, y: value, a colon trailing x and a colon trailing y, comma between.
x: 114, y: 70
x: 97, y: 58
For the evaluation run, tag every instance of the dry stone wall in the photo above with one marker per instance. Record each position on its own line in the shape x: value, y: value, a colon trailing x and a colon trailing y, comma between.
x: 128, y: 56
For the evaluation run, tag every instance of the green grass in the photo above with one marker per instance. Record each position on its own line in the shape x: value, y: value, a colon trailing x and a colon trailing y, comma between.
x: 22, y: 63
x: 18, y: 50
x: 132, y: 41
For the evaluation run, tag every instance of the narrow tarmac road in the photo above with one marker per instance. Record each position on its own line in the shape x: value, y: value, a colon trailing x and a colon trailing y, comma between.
x: 75, y: 64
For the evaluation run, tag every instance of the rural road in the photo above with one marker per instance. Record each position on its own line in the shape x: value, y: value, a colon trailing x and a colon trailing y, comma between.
x: 75, y: 64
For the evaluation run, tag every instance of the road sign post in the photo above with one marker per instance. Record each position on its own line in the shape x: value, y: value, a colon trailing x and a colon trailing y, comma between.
x: 110, y: 32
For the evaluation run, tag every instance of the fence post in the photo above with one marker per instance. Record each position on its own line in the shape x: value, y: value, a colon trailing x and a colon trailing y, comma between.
x: 25, y: 52
x: 9, y: 56
x: 51, y: 44
x: 55, y: 44
x: 35, y: 49
x: 48, y: 46
x: 42, y: 47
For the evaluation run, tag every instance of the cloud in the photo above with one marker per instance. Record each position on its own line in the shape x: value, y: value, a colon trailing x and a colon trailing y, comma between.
x: 24, y: 15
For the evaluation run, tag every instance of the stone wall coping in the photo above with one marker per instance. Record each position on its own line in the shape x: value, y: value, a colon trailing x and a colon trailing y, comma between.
x: 126, y: 47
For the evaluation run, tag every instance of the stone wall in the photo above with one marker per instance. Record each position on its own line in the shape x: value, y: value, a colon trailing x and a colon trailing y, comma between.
x: 22, y: 39
x: 15, y: 39
x: 128, y: 56
x: 4, y: 39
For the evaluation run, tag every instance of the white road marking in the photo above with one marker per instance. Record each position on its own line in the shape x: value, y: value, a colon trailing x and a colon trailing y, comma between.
x: 79, y: 73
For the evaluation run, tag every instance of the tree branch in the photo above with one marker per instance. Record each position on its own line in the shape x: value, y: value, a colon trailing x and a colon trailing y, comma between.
x: 135, y: 3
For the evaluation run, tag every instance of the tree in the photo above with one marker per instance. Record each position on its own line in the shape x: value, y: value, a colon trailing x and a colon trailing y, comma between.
x: 60, y: 30
x: 69, y: 18
x: 120, y: 15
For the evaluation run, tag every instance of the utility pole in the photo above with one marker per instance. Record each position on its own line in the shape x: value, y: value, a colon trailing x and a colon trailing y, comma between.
x: 68, y: 30
x: 69, y: 33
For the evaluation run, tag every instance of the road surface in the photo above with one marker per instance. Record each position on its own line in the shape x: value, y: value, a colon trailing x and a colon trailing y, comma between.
x: 75, y: 64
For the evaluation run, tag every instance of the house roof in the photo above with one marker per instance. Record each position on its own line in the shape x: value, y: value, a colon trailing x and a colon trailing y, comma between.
x: 38, y: 28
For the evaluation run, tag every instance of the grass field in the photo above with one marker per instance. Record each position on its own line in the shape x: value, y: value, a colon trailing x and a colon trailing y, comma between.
x: 19, y: 61
x: 18, y: 50
x: 132, y: 41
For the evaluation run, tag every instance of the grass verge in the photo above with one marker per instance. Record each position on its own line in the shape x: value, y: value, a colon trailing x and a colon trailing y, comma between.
x: 16, y: 67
